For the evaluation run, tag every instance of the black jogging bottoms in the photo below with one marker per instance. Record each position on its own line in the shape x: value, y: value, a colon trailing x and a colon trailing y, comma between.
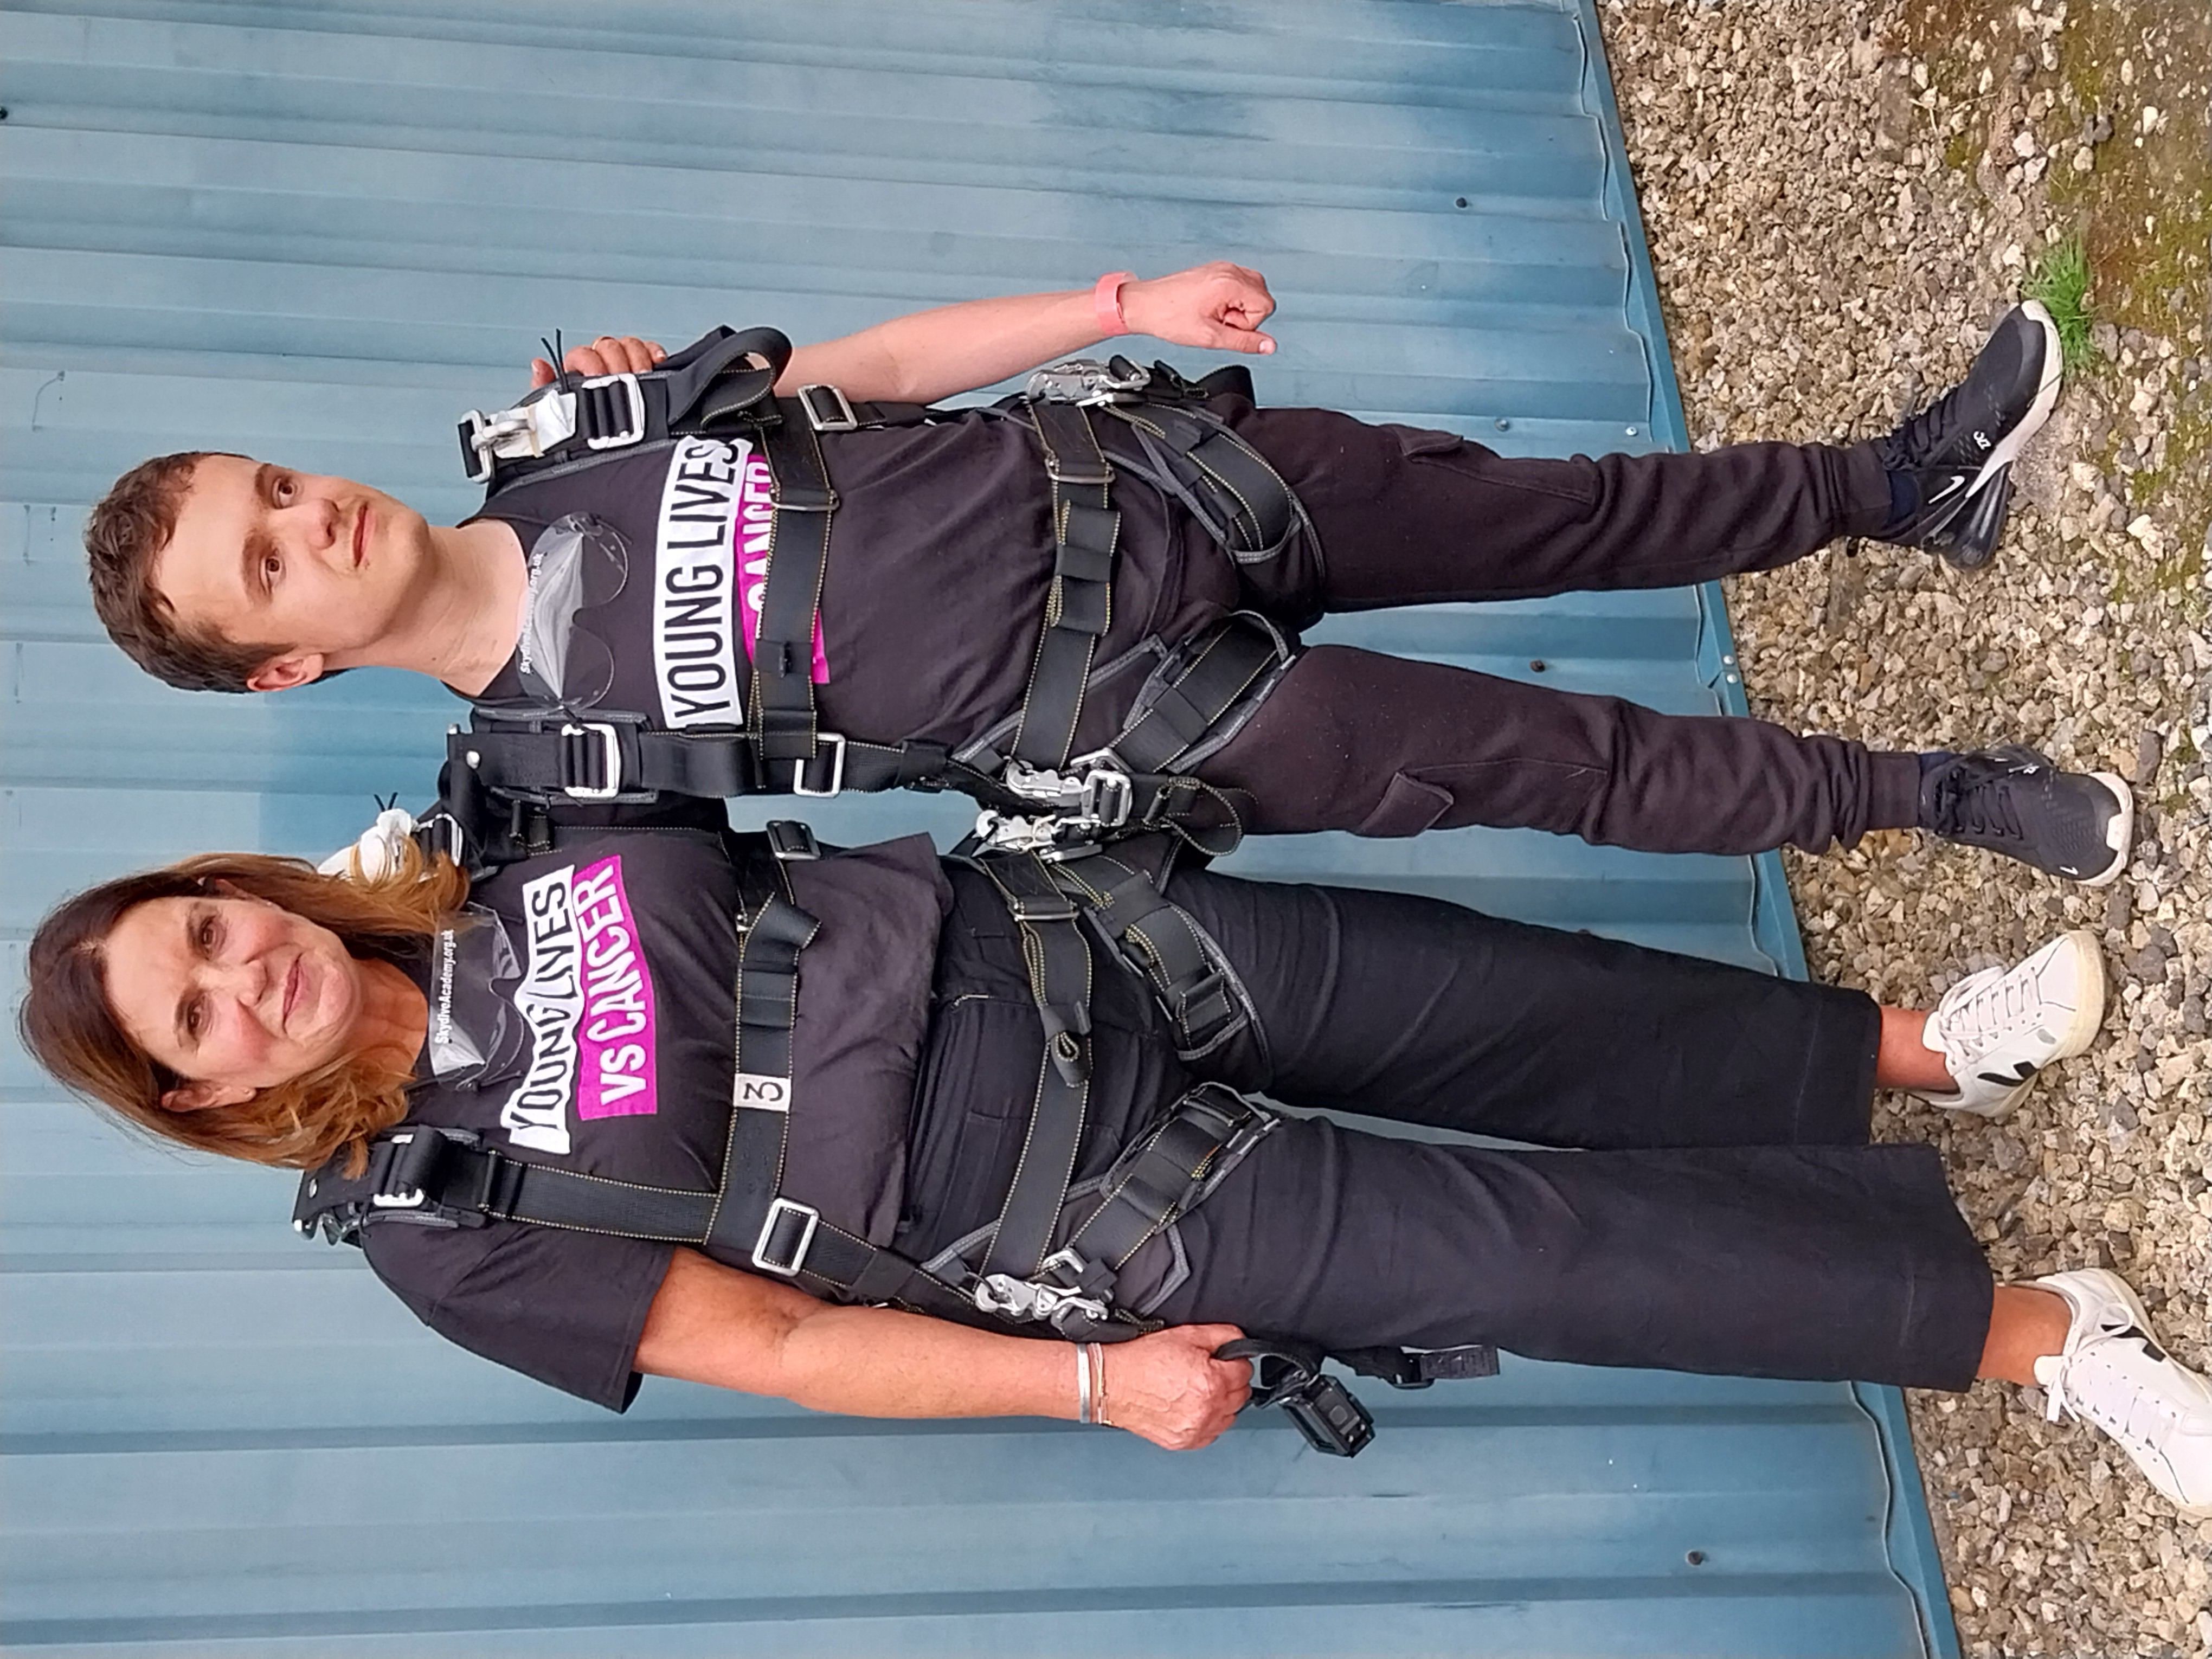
x: 1713, y: 1206
x: 1384, y: 746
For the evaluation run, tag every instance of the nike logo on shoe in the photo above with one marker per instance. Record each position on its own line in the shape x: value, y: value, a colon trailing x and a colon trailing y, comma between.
x: 2022, y: 1071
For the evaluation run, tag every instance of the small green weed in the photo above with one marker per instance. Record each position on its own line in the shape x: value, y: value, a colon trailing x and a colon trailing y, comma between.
x: 2060, y: 281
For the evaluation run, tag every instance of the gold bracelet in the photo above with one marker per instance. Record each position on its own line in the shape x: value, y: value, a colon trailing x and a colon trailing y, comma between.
x: 1098, y: 1354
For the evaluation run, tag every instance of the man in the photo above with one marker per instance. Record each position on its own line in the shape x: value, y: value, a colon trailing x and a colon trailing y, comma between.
x: 626, y: 589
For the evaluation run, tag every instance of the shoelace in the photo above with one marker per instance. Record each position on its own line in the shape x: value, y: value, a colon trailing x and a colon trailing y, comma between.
x: 1915, y: 439
x: 2130, y: 1430
x: 1981, y: 806
x: 2003, y: 1004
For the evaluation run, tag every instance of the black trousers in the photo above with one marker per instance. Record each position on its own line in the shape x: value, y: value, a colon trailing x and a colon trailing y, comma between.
x: 1382, y: 745
x: 1724, y: 1213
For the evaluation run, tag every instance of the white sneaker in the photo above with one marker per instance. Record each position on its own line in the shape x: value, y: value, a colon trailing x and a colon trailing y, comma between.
x: 1995, y: 1030
x: 2114, y: 1374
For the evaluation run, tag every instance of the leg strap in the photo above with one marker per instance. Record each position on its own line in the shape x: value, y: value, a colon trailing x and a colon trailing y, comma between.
x: 1059, y: 960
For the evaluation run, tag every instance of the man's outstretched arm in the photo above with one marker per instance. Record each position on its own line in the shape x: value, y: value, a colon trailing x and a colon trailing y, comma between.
x: 929, y: 355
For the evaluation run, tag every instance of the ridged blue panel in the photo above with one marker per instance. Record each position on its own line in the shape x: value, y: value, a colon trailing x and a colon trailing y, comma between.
x: 317, y: 232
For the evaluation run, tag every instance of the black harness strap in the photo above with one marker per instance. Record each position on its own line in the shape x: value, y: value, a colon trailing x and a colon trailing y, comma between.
x: 1156, y: 1184
x: 1059, y: 961
x: 783, y: 716
x: 1227, y: 484
x: 1086, y: 531
x: 1223, y: 665
x: 746, y: 1217
x: 1121, y: 899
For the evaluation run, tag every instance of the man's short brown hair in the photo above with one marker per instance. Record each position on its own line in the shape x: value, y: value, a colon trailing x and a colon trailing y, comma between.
x: 124, y: 535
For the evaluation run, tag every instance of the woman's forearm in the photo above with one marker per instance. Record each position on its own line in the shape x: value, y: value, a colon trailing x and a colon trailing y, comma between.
x: 709, y: 1323
x: 879, y: 1362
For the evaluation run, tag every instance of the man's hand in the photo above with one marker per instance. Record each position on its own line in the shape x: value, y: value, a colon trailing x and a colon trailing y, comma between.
x: 1217, y: 305
x: 1169, y: 1389
x: 611, y: 354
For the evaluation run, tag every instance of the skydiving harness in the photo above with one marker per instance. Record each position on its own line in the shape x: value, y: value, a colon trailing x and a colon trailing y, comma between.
x: 515, y: 766
x: 431, y: 1175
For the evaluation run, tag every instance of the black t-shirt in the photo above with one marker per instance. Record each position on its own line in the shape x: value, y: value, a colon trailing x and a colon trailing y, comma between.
x: 584, y: 1017
x: 940, y: 555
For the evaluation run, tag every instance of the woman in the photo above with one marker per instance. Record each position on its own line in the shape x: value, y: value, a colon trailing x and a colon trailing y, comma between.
x: 573, y: 1015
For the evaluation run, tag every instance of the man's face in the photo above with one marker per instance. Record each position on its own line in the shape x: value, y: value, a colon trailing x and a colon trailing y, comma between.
x: 321, y: 566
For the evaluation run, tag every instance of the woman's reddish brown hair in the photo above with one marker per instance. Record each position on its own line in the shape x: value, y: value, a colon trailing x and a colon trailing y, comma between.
x: 67, y: 1026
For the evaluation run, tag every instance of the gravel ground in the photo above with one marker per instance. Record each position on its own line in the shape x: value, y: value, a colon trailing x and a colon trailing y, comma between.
x: 1840, y: 199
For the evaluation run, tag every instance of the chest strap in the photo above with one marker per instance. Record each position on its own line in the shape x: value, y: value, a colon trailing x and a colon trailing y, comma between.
x: 720, y: 378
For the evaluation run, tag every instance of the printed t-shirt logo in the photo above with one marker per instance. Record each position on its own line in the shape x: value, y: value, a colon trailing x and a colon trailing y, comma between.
x: 587, y: 1000
x: 717, y: 520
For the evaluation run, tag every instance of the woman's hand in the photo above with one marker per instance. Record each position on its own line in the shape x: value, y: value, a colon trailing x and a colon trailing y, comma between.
x: 1169, y: 1389
x: 611, y: 354
x: 1217, y: 305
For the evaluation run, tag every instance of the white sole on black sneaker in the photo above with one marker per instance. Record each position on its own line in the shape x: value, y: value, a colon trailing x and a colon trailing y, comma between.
x: 2119, y: 834
x: 2046, y: 397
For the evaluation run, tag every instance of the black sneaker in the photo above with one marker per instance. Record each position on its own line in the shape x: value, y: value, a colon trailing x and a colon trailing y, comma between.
x: 2012, y: 800
x: 1969, y: 541
x: 1954, y: 451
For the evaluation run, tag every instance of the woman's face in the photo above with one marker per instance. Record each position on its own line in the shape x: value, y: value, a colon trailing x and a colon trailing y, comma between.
x: 233, y: 994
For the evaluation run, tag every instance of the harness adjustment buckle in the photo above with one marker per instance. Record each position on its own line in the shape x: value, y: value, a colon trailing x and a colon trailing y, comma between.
x: 1086, y: 381
x: 577, y: 756
x: 787, y: 1262
x: 528, y: 429
x: 396, y: 1196
x: 828, y: 409
x: 834, y: 742
x: 1099, y: 797
x: 1007, y: 833
x: 792, y: 842
x: 441, y: 832
x: 1008, y: 1297
x: 632, y: 411
x: 1029, y: 907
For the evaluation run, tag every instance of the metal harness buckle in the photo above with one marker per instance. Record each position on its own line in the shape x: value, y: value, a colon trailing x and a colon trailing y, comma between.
x: 787, y: 1264
x: 828, y: 409
x: 1086, y: 380
x: 835, y: 745
x: 1098, y: 798
x: 1009, y: 1297
x: 1012, y: 834
x: 1076, y: 805
x: 610, y: 748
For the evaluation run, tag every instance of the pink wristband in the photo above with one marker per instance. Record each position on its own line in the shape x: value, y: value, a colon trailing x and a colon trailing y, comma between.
x: 1106, y: 302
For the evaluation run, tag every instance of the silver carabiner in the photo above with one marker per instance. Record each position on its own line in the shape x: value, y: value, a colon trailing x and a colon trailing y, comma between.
x: 1085, y: 380
x: 1008, y: 1297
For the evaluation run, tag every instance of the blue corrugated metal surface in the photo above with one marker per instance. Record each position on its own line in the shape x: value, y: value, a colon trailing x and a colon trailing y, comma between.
x: 316, y: 232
